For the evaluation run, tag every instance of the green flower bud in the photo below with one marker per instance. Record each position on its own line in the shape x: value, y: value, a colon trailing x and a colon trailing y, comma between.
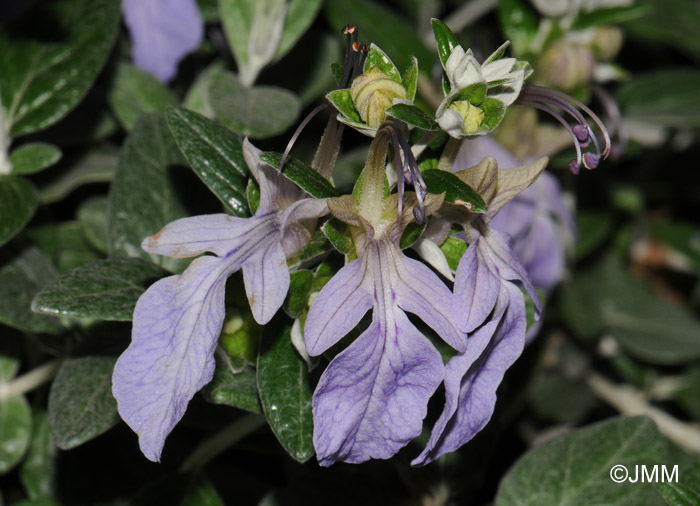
x: 471, y: 115
x: 373, y: 92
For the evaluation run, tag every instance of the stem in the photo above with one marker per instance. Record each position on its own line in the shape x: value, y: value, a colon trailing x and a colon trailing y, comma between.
x: 218, y: 443
x: 449, y: 154
x: 30, y: 380
x: 630, y: 401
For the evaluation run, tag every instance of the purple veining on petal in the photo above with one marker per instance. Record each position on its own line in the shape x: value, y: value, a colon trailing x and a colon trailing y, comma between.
x: 163, y: 32
x: 497, y: 247
x: 213, y: 233
x: 266, y: 280
x: 371, y: 400
x: 177, y: 322
x: 472, y: 378
x: 476, y: 289
x: 339, y: 306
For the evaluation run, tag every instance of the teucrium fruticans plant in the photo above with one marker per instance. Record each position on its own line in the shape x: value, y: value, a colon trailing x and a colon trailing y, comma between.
x: 372, y: 397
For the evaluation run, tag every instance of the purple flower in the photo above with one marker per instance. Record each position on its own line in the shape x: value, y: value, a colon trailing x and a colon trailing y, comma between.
x: 177, y: 321
x: 537, y: 219
x: 372, y: 398
x: 163, y: 32
x: 486, y: 283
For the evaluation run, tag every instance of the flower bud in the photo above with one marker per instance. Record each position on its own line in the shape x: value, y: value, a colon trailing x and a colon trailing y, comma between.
x: 566, y: 66
x: 472, y: 115
x: 373, y: 92
x: 607, y: 42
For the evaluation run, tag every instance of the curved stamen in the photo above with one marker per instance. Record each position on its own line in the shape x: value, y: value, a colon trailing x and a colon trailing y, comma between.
x: 297, y: 133
x: 575, y: 165
x: 545, y: 99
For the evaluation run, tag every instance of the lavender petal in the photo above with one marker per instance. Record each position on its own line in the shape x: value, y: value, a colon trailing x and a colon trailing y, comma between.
x: 421, y: 292
x: 162, y: 32
x: 216, y: 233
x: 177, y: 323
x: 371, y: 400
x: 338, y: 307
x: 266, y: 280
x: 476, y: 289
x: 471, y: 383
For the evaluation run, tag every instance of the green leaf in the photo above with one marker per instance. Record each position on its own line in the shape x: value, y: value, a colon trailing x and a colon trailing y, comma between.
x: 65, y: 244
x: 215, y: 154
x: 238, y: 389
x: 302, y: 175
x: 652, y: 329
x: 393, y: 33
x: 237, y: 18
x: 412, y: 115
x: 21, y: 278
x: 93, y: 217
x: 337, y: 233
x: 81, y: 405
x: 201, y: 493
x: 593, y: 227
x: 342, y: 101
x: 670, y: 22
x: 445, y: 39
x: 285, y: 392
x: 579, y: 304
x: 15, y: 430
x: 608, y: 16
x: 337, y: 71
x: 297, y: 300
x: 33, y: 157
x: 135, y: 92
x: 38, y: 471
x: 106, y: 289
x: 519, y: 23
x: 177, y: 490
x: 578, y: 466
x: 410, y: 80
x: 98, y: 165
x: 300, y: 15
x: 252, y: 193
x: 556, y: 397
x: 494, y: 111
x: 209, y: 10
x: 474, y: 93
x: 411, y: 234
x: 668, y: 98
x: 197, y: 98
x: 684, y: 492
x: 648, y: 327
x: 18, y: 201
x: 456, y: 191
x: 51, y: 59
x: 379, y: 59
x: 453, y: 249
x: 258, y: 112
x: 143, y: 197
